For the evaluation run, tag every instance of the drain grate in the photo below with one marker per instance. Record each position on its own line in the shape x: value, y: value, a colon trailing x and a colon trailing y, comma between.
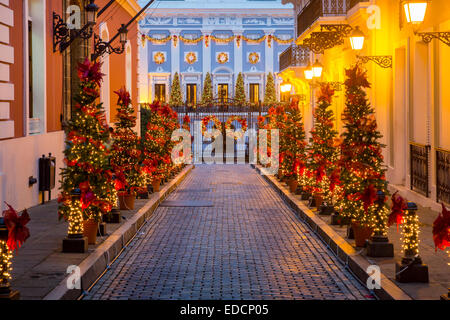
x: 186, y: 203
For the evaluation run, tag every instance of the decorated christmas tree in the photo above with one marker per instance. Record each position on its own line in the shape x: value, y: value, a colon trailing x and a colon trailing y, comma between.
x: 207, y: 94
x: 323, y: 153
x: 125, y: 156
x: 239, y: 92
x: 294, y: 153
x: 86, y: 182
x: 176, y: 98
x: 270, y: 97
x: 363, y: 172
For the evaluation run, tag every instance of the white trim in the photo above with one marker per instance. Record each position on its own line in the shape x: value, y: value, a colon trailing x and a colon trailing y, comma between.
x: 105, y: 91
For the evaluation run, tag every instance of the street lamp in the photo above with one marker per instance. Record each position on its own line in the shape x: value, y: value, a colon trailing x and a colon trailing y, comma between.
x: 123, y: 32
x: 357, y: 39
x: 415, y: 11
x: 309, y: 74
x: 91, y: 10
x: 317, y: 69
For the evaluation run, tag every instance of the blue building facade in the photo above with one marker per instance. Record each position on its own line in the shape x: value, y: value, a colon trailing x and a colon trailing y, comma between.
x: 195, y: 37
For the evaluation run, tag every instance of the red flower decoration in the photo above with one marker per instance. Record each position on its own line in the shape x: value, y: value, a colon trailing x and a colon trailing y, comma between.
x: 124, y: 97
x: 441, y: 229
x: 90, y: 71
x: 17, y: 232
x: 399, y: 206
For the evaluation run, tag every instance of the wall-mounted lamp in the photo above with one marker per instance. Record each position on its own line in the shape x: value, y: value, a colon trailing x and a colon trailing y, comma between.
x: 309, y: 73
x: 285, y: 87
x: 317, y: 69
x: 415, y: 12
x: 357, y: 39
x: 62, y: 35
x: 102, y: 47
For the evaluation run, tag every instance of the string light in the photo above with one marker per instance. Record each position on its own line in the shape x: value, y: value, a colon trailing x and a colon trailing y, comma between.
x: 5, y: 263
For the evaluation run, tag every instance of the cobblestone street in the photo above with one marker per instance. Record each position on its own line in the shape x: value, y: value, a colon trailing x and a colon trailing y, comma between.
x: 226, y: 234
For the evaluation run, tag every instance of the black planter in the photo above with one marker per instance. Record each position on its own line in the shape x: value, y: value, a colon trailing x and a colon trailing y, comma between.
x: 306, y: 195
x: 326, y: 210
x: 350, y: 233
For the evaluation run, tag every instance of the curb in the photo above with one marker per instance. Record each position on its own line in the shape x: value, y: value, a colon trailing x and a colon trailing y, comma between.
x: 99, y: 260
x: 355, y: 262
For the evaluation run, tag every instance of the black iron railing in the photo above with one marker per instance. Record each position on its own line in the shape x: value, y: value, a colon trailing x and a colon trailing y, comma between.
x: 321, y: 8
x: 419, y: 168
x: 294, y: 56
x: 443, y: 175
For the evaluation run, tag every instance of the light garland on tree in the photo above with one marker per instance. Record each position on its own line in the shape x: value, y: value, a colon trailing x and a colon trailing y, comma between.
x: 410, y: 233
x: 5, y: 263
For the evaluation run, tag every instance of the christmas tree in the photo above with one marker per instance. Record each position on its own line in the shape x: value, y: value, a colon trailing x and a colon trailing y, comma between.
x: 87, y: 186
x: 294, y: 155
x: 362, y: 170
x: 322, y: 151
x: 176, y: 99
x: 239, y: 92
x: 125, y: 156
x: 207, y: 94
x: 270, y: 94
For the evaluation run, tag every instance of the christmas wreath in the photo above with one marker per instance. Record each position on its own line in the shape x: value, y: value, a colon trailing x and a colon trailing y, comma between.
x: 236, y: 134
x: 222, y: 57
x: 253, y: 57
x: 159, y: 58
x: 191, y: 57
x: 205, y: 122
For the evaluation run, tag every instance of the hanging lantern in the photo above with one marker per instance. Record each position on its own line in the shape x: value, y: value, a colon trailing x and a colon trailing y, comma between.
x: 415, y: 11
x: 309, y: 74
x: 317, y: 69
x: 91, y: 10
x: 357, y: 39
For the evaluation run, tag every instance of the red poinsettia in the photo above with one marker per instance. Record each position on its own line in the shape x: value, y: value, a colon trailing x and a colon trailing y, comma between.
x: 325, y: 94
x: 17, y: 232
x: 441, y: 229
x: 90, y: 71
x: 399, y: 206
x: 124, y: 97
x: 356, y: 77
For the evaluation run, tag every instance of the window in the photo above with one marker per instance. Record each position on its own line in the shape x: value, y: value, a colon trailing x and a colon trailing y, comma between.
x: 254, y: 93
x: 222, y: 91
x: 191, y: 94
x: 160, y: 92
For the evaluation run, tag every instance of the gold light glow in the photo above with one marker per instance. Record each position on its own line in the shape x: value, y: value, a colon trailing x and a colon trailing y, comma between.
x: 415, y: 11
x: 286, y: 87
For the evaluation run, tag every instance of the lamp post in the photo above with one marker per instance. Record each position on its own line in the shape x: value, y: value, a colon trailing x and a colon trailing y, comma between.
x: 62, y: 35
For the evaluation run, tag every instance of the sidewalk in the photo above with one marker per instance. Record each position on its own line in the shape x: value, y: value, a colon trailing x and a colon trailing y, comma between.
x: 438, y: 262
x: 40, y: 266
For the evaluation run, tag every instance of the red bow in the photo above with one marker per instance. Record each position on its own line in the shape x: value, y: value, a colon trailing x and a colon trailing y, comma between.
x: 87, y: 196
x: 441, y: 230
x: 17, y: 232
x: 399, y: 206
x: 368, y: 197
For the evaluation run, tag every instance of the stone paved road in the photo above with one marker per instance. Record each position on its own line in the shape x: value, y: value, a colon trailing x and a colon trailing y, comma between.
x: 249, y: 245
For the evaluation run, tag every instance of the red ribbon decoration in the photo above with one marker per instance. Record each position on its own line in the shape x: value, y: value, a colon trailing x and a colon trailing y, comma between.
x: 17, y: 232
x: 399, y: 206
x: 441, y: 229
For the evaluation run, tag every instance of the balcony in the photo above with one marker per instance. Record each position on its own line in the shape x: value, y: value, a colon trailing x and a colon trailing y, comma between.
x: 294, y: 56
x: 316, y: 9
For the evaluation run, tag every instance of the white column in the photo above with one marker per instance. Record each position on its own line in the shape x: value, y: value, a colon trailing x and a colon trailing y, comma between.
x: 175, y: 51
x: 206, y: 52
x: 269, y: 51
